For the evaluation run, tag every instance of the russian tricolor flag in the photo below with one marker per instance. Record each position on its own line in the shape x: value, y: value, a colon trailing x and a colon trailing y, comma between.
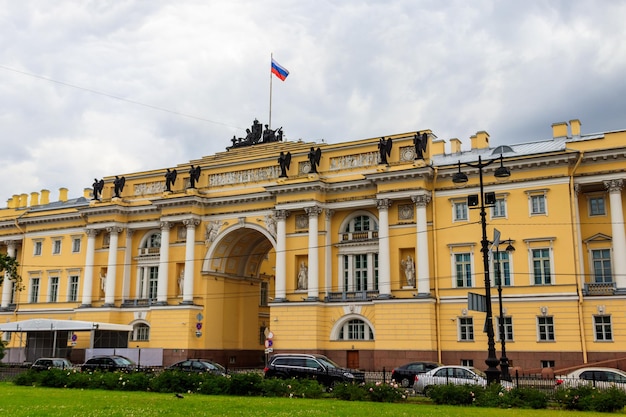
x: 279, y: 71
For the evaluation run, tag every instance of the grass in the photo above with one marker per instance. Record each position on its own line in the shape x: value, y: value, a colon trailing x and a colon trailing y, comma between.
x: 18, y: 401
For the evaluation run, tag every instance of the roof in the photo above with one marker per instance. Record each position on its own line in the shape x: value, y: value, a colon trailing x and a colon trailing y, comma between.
x: 41, y: 325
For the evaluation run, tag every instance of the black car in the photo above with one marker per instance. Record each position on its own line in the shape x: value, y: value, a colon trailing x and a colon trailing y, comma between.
x: 405, y: 374
x: 108, y: 363
x: 43, y: 364
x: 311, y: 366
x: 198, y: 365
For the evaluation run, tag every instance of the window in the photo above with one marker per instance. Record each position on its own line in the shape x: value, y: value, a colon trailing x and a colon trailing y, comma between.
x: 466, y: 329
x: 463, y: 269
x: 508, y: 328
x: 502, y: 267
x: 37, y: 248
x: 361, y: 227
x: 459, y: 211
x: 360, y: 272
x: 537, y: 203
x: 141, y: 332
x: 545, y: 329
x: 601, y: 260
x: 56, y: 246
x: 356, y: 330
x: 76, y: 245
x: 499, y: 208
x: 264, y: 296
x: 72, y: 294
x: 596, y: 206
x: 547, y: 364
x: 53, y: 293
x: 541, y: 266
x: 34, y: 290
x: 602, y: 325
x: 467, y: 362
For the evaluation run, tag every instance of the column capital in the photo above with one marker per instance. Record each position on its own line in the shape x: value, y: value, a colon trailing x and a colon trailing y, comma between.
x: 166, y: 225
x: 191, y: 223
x: 383, y: 203
x: 281, y: 214
x: 615, y: 185
x: 114, y: 230
x: 313, y: 211
x: 421, y: 200
x: 329, y: 213
x: 91, y: 232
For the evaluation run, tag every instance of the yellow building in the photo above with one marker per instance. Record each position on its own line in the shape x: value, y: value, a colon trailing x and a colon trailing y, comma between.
x: 365, y: 251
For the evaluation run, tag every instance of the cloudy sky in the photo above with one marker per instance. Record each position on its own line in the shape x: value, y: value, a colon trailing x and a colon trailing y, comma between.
x: 92, y: 88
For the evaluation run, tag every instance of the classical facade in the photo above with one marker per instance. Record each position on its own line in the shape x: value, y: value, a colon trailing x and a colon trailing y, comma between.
x: 365, y: 251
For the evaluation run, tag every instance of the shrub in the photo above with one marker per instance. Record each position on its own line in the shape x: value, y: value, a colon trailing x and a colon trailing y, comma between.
x: 382, y: 392
x: 453, y: 394
x: 246, y: 384
x: 588, y: 398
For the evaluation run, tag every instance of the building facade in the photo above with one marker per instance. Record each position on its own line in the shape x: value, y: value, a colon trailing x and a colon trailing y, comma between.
x: 365, y: 251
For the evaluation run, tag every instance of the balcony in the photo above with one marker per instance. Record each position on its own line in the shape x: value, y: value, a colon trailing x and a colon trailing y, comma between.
x: 338, y: 297
x: 352, y: 236
x: 599, y: 288
x: 138, y: 302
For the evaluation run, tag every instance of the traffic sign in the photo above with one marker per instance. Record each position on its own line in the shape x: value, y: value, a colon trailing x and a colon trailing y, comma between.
x: 198, y: 326
x: 270, y: 335
x: 269, y: 350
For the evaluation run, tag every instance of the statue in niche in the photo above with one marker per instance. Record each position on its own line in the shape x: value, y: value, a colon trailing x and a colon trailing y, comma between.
x: 170, y: 179
x: 194, y: 176
x: 181, y: 282
x: 315, y: 155
x: 409, y: 270
x: 420, y: 142
x: 303, y: 276
x: 118, y: 185
x: 384, y: 149
x: 103, y: 282
x: 98, y: 186
x: 285, y: 161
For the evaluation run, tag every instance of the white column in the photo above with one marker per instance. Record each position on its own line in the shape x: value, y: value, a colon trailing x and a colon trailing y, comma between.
x: 313, y: 278
x: 128, y: 258
x: 89, y: 266
x: 109, y: 290
x: 280, y: 292
x: 617, y: 230
x: 328, y: 264
x: 190, y: 244
x: 422, y: 258
x: 164, y: 259
x: 7, y: 283
x: 384, y: 270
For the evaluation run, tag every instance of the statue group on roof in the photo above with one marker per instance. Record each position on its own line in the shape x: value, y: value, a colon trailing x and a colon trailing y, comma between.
x: 257, y: 134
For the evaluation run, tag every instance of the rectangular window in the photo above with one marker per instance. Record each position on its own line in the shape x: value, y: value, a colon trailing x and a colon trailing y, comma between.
x: 460, y: 210
x: 467, y: 362
x: 264, y: 296
x: 502, y: 267
x: 360, y: 272
x: 34, y: 290
x: 547, y: 364
x: 541, y: 266
x: 76, y: 245
x: 601, y: 260
x: 463, y: 268
x: 545, y: 329
x: 56, y: 247
x: 153, y: 281
x: 538, y: 204
x: 508, y: 328
x: 37, y: 248
x: 356, y: 330
x: 596, y: 206
x: 72, y: 294
x: 603, y: 329
x: 53, y: 294
x: 499, y: 208
x: 466, y: 329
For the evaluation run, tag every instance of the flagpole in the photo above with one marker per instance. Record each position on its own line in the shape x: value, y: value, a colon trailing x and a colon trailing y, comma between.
x: 269, y: 124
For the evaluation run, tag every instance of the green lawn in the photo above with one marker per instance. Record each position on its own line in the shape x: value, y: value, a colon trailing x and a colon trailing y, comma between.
x: 18, y: 401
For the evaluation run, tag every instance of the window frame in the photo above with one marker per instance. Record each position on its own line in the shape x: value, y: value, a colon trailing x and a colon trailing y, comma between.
x: 56, y: 246
x: 500, y: 209
x: 546, y: 330
x: 508, y: 329
x: 76, y: 244
x: 73, y: 288
x: 592, y: 209
x: 546, y: 279
x: 467, y: 275
x: 33, y: 289
x: 600, y: 333
x: 465, y: 329
x: 534, y: 196
x: 594, y: 271
x: 53, y: 288
x: 460, y: 208
x: 37, y: 247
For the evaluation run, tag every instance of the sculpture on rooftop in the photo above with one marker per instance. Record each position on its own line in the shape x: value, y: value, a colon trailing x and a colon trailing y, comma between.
x: 98, y: 186
x: 255, y: 134
x: 285, y: 161
x: 194, y: 176
x: 384, y: 148
x: 118, y: 186
x: 170, y: 179
x: 420, y: 142
x: 315, y: 155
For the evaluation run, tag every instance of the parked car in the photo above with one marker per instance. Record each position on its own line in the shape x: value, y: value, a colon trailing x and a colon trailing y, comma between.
x: 318, y: 367
x: 405, y: 374
x: 43, y: 364
x: 108, y: 363
x: 596, y: 376
x: 457, y: 375
x: 198, y: 365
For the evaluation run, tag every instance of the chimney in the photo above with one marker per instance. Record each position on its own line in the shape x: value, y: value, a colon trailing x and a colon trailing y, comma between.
x: 559, y: 130
x: 575, y: 127
x: 10, y: 203
x: 480, y: 140
x: 62, y: 194
x: 24, y: 200
x: 87, y: 193
x: 45, y: 197
x: 34, y: 198
x: 455, y: 145
x: 437, y: 147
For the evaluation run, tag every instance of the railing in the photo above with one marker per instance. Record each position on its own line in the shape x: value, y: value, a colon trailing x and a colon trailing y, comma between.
x: 138, y: 302
x: 334, y: 297
x: 368, y: 235
x: 149, y: 251
x: 599, y: 288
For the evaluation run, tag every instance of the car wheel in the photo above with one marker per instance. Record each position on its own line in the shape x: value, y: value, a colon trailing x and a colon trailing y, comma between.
x: 405, y: 382
x: 427, y: 391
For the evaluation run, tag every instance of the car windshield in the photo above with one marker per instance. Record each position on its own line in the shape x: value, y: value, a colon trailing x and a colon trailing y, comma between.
x: 327, y: 362
x: 122, y: 361
x: 479, y: 373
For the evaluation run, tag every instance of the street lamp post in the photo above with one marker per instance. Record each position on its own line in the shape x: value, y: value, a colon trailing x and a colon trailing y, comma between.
x: 504, y: 361
x: 493, y: 374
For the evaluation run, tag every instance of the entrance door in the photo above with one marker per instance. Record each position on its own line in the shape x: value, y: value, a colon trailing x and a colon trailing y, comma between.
x: 353, y: 359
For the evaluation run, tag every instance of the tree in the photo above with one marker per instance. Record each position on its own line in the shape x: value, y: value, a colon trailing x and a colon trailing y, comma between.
x: 9, y: 265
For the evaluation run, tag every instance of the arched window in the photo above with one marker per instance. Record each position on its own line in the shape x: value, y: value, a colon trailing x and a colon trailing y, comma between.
x: 361, y: 223
x: 356, y: 329
x: 141, y: 332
